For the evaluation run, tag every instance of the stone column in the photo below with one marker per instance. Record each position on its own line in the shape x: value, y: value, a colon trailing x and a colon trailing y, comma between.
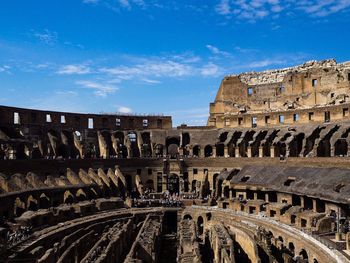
x: 181, y: 151
x: 301, y: 201
x: 164, y: 182
x: 249, y: 151
x: 272, y: 151
x: 182, y: 184
x: 261, y: 151
x: 237, y: 152
x: 226, y: 151
x: 214, y: 152
x: 201, y: 153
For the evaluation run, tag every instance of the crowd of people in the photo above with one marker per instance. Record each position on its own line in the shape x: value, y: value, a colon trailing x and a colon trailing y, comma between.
x: 166, y: 199
x: 19, y: 235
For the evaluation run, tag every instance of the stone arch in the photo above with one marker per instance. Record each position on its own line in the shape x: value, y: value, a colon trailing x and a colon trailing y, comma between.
x: 68, y: 197
x: 303, y: 254
x: 257, y: 142
x: 186, y: 139
x: 220, y: 150
x: 121, y: 187
x: 158, y: 150
x: 291, y: 247
x: 280, y: 149
x: 32, y: 203
x: 341, y: 147
x: 215, y: 176
x: 187, y: 217
x: 81, y: 195
x: 149, y: 184
x: 194, y: 186
x: 232, y: 143
x: 107, y: 136
x: 324, y: 149
x: 128, y: 180
x: 172, y: 146
x: 227, y: 191
x: 173, y: 183
x: 280, y: 239
x: 296, y: 145
x: 208, y: 151
x: 44, y: 201
x: 68, y: 140
x: 208, y: 216
x: 146, y: 147
x: 19, y: 207
x: 196, y: 151
x: 200, y: 225
x: 219, y: 187
x: 243, y: 144
x: 134, y: 148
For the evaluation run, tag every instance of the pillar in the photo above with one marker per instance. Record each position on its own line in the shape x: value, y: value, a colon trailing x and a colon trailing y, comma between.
x: 302, y: 201
x: 214, y: 152
x: 164, y: 182
x: 272, y: 151
x: 347, y: 241
x: 249, y: 151
x: 226, y: 151
x: 181, y: 151
x: 237, y: 152
x: 201, y: 153
x: 261, y: 151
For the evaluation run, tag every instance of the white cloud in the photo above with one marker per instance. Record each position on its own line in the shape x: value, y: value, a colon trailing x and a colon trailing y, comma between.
x: 210, y: 69
x: 5, y: 69
x: 73, y: 69
x: 265, y: 63
x: 223, y: 8
x: 323, y: 8
x: 151, y: 81
x: 124, y: 3
x: 217, y: 51
x: 152, y: 68
x: 100, y: 89
x: 46, y: 36
x: 125, y: 110
x: 66, y: 92
x: 259, y: 9
x: 90, y: 1
x: 118, y: 5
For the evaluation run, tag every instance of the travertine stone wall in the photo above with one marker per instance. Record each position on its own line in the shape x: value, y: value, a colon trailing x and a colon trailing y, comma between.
x: 288, y: 91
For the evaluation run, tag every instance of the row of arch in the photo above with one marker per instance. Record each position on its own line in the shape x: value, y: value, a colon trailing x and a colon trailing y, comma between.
x: 287, y: 244
x: 322, y: 141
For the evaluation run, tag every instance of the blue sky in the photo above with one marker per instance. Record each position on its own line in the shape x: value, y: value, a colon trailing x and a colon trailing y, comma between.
x: 155, y: 56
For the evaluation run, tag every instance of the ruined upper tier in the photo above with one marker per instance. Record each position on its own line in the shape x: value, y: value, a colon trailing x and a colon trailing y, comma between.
x: 317, y: 91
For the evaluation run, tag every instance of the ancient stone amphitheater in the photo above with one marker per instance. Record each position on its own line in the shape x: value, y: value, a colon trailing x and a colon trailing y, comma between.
x: 267, y: 180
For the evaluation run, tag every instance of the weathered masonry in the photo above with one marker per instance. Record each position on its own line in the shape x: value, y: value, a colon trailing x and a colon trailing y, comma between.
x: 267, y: 180
x: 313, y: 92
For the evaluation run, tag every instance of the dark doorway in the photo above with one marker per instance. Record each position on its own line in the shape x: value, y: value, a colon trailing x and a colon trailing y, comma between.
x: 173, y: 184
